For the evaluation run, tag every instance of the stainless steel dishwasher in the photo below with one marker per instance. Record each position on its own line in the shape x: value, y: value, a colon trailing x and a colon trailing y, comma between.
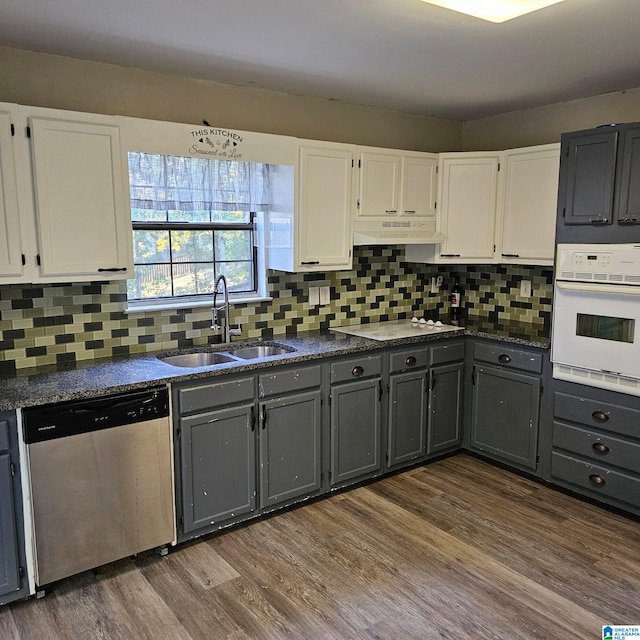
x: 101, y: 480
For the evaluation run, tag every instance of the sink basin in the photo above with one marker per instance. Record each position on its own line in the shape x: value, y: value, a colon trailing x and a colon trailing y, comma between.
x: 260, y: 351
x: 198, y: 359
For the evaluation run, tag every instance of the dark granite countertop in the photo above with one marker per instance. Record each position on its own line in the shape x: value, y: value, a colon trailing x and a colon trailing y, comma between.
x: 42, y: 385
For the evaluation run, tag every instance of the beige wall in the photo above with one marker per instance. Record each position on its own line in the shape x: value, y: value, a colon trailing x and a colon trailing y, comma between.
x: 543, y: 125
x: 66, y: 83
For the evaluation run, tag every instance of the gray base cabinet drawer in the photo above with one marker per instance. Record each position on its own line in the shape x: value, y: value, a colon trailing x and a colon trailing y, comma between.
x: 449, y: 351
x: 597, y: 414
x: 602, y: 448
x: 270, y: 384
x: 355, y: 368
x: 509, y: 357
x: 416, y: 358
x: 596, y: 479
x: 215, y: 394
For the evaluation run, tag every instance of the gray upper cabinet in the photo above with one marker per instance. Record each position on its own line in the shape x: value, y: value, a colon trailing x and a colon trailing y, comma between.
x: 598, y: 195
x: 290, y: 435
x: 356, y: 419
x: 505, y: 403
x: 11, y: 524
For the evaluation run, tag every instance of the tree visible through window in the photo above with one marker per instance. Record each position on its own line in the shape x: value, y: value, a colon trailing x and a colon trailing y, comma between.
x: 193, y: 219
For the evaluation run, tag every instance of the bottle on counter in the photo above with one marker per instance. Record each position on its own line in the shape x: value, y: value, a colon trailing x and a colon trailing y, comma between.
x: 456, y: 300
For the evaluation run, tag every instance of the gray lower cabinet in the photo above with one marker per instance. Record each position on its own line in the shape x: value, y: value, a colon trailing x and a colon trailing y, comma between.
x: 446, y: 394
x: 290, y: 435
x: 596, y: 444
x: 407, y: 406
x: 505, y: 403
x: 217, y: 454
x: 355, y: 419
x: 13, y: 584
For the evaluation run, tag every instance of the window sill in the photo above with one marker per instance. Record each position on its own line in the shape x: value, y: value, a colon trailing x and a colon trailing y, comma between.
x: 173, y: 305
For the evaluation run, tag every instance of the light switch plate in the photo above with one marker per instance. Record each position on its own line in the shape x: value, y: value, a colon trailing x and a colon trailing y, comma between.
x: 314, y: 296
x: 525, y: 288
x: 325, y: 295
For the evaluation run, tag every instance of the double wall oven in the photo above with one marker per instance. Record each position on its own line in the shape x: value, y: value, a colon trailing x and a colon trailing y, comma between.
x: 596, y: 316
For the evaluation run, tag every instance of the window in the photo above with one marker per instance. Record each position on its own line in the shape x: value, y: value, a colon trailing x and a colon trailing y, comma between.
x: 193, y: 220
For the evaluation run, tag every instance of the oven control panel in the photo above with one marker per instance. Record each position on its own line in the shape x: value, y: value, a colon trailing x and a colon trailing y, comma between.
x: 615, y: 263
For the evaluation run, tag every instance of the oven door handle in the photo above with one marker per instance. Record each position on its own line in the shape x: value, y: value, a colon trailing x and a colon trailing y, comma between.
x: 592, y: 287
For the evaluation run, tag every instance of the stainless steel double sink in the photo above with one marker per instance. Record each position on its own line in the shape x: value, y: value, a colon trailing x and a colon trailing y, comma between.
x: 196, y: 359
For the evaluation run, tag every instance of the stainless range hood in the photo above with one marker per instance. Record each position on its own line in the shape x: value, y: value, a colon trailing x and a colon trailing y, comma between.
x: 396, y: 232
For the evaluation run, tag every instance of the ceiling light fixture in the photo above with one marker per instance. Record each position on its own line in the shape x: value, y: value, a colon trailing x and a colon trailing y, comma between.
x: 494, y: 10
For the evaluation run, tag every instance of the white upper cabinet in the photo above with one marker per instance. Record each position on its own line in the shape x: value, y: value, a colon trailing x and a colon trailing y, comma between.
x: 11, y: 250
x: 530, y: 203
x: 326, y: 199
x: 496, y: 207
x: 468, y: 202
x: 396, y: 184
x: 80, y: 195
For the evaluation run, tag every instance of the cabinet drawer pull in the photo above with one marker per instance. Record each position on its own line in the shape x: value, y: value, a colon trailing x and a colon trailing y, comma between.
x: 391, y: 211
x: 310, y: 262
x: 380, y: 390
x: 596, y: 479
x: 409, y: 212
x: 253, y: 418
x: 600, y: 415
x: 510, y: 255
x: 504, y: 357
x: 627, y: 221
x: 599, y: 221
x: 264, y: 416
x: 357, y: 371
x: 599, y: 447
x: 410, y: 361
x: 449, y: 255
x: 111, y: 269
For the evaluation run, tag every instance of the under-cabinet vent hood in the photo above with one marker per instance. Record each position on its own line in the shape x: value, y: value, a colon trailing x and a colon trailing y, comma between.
x: 396, y: 232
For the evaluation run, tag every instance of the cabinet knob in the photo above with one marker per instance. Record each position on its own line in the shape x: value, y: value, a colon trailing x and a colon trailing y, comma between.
x: 596, y: 479
x: 504, y: 357
x: 600, y: 416
x: 410, y: 361
x: 357, y: 371
x: 599, y: 447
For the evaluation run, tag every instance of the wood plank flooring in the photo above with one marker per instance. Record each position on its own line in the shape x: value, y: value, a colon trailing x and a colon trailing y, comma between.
x: 455, y: 549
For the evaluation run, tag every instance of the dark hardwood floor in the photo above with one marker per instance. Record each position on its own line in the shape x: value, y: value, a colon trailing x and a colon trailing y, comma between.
x: 456, y: 549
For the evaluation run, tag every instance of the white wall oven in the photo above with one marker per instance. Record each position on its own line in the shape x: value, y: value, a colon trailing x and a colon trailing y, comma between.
x: 596, y: 316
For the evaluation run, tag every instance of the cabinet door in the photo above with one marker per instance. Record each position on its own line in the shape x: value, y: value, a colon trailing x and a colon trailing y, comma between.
x: 290, y: 454
x: 468, y: 195
x: 218, y: 466
x: 84, y: 224
x: 326, y: 200
x: 419, y: 186
x: 355, y: 430
x: 10, y: 240
x: 627, y: 209
x: 530, y: 205
x: 504, y: 420
x: 407, y: 417
x: 379, y: 185
x: 445, y: 407
x: 9, y: 573
x: 589, y: 165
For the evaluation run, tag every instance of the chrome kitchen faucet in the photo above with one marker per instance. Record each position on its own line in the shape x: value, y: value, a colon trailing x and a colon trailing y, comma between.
x: 222, y: 311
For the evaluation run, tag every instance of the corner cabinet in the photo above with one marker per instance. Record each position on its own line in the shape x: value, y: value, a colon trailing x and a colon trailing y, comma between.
x: 504, y: 407
x: 495, y: 207
x: 325, y: 201
x: 69, y: 219
x: 599, y: 196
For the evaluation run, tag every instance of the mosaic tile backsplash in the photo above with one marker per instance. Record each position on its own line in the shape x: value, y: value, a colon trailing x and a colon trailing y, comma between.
x: 50, y: 324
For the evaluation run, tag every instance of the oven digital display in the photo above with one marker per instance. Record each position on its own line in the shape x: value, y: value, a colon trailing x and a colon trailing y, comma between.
x: 605, y: 327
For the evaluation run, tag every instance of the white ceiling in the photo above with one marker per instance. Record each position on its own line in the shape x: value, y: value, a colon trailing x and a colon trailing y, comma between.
x: 404, y: 55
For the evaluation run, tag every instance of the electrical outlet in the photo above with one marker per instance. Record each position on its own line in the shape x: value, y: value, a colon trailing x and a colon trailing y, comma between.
x: 314, y: 296
x: 436, y: 283
x: 525, y: 288
x: 325, y: 295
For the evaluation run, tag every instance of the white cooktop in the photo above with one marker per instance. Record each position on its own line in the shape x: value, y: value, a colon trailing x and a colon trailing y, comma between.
x: 395, y: 329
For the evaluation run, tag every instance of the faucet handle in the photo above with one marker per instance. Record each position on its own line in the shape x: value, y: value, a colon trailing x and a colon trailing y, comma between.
x: 235, y: 331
